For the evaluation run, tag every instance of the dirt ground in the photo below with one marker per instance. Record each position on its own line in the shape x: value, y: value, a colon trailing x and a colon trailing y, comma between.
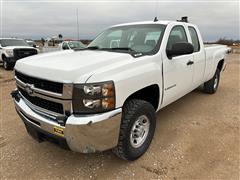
x: 197, y: 137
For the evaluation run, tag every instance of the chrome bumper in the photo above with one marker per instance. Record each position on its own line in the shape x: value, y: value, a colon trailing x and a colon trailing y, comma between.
x: 85, y: 133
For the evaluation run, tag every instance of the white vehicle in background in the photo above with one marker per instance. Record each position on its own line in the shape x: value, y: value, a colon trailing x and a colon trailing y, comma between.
x: 106, y: 95
x: 68, y: 45
x: 13, y: 49
x: 32, y: 43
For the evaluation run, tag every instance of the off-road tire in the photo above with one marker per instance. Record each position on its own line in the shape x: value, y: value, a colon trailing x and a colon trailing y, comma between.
x: 210, y: 86
x: 132, y: 110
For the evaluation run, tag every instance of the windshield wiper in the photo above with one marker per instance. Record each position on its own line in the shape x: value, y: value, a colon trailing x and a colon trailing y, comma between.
x: 86, y: 48
x: 128, y: 49
x: 92, y: 47
x: 132, y: 52
x: 123, y: 48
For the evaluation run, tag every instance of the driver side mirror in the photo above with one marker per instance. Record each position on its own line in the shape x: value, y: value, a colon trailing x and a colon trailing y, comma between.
x: 178, y: 49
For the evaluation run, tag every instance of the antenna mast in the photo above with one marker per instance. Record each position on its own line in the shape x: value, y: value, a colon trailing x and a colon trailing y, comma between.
x: 156, y: 9
x: 77, y: 25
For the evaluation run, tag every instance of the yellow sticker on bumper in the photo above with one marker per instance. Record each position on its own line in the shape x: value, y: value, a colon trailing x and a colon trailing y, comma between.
x: 58, y: 131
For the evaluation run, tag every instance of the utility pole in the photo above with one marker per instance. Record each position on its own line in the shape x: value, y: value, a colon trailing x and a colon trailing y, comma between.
x: 77, y: 25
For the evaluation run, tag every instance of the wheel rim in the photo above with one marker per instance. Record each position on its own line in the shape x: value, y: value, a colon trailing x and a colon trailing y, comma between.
x: 139, y: 131
x: 215, y: 82
x: 5, y: 64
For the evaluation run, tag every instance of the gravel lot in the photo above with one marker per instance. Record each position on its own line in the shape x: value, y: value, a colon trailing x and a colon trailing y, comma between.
x: 197, y: 137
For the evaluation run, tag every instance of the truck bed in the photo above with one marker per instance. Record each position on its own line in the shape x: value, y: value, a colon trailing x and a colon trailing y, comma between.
x: 213, y: 52
x: 213, y: 45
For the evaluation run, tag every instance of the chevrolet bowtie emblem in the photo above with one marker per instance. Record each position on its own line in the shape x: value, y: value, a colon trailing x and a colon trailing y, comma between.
x: 29, y: 89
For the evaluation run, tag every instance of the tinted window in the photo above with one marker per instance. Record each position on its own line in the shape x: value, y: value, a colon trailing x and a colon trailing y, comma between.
x: 13, y: 42
x: 65, y: 46
x: 177, y: 35
x: 194, y: 38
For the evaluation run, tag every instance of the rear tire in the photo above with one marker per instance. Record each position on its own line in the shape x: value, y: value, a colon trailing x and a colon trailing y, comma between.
x: 7, y: 65
x: 211, y: 86
x: 137, y: 129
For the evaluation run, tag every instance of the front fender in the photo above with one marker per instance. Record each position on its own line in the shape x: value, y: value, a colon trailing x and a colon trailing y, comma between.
x: 131, y: 77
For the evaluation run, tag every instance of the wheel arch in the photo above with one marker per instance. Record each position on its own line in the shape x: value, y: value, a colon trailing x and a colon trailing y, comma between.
x: 3, y: 56
x: 149, y: 93
x: 220, y: 64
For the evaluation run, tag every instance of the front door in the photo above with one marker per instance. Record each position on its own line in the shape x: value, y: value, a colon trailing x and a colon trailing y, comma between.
x: 177, y: 71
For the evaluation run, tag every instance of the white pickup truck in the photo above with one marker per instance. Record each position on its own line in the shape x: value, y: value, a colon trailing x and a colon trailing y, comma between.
x: 105, y: 96
x: 70, y: 45
x: 13, y: 49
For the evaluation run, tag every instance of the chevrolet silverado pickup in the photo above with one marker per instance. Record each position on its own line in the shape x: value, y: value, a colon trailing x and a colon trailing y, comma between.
x: 12, y: 49
x: 106, y: 95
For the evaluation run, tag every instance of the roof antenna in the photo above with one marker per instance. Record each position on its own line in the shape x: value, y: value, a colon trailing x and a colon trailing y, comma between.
x: 156, y: 11
x: 183, y: 19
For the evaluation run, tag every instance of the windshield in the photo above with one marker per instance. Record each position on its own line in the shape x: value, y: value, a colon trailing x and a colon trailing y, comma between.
x: 143, y: 39
x: 76, y: 44
x: 30, y: 43
x: 13, y: 42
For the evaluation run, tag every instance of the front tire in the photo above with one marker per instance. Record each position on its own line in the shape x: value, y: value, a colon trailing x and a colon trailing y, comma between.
x: 211, y: 86
x: 137, y: 129
x: 7, y: 65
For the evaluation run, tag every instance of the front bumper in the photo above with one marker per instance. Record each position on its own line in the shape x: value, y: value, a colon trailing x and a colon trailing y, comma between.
x: 83, y: 133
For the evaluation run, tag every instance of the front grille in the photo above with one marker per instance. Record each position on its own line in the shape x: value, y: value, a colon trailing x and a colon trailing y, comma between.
x: 43, y: 103
x: 22, y: 53
x: 40, y: 83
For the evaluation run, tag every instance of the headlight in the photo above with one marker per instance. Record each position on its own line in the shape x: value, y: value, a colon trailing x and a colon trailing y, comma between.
x: 9, y: 52
x: 93, y: 97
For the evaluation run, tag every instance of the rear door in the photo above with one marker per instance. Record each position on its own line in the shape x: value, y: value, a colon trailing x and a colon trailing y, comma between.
x: 177, y: 71
x: 198, y: 56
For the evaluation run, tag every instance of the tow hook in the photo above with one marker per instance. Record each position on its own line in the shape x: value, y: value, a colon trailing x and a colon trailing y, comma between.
x: 61, y: 120
x: 15, y: 95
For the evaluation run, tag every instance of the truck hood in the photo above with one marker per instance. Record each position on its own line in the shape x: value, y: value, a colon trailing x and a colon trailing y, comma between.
x: 18, y: 47
x: 69, y: 66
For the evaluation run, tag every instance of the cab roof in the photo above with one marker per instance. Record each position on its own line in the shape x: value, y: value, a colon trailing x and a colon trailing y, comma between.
x: 164, y: 22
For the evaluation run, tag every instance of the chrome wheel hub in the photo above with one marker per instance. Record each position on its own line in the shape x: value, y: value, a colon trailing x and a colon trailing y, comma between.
x: 215, y: 82
x: 5, y: 64
x: 139, y: 131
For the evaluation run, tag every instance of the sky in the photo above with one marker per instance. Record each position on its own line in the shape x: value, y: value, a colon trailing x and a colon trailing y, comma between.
x: 47, y: 18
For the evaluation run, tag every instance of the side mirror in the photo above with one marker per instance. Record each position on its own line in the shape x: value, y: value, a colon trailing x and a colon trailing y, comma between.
x: 35, y: 46
x: 180, y: 49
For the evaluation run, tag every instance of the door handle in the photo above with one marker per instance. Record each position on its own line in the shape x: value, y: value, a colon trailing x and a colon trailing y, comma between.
x: 190, y: 63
